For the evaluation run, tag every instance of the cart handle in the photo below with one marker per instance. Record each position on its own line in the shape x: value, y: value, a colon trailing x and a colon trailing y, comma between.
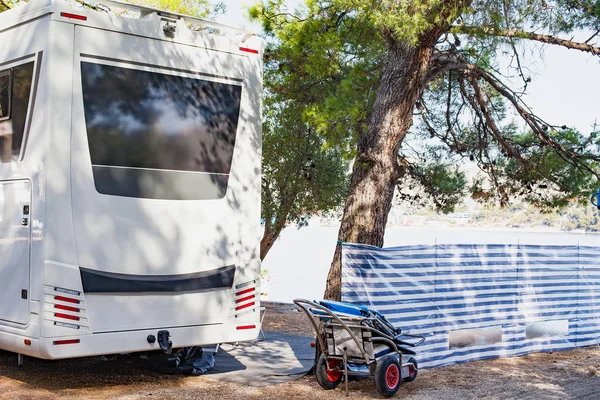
x: 410, y: 336
x: 302, y: 303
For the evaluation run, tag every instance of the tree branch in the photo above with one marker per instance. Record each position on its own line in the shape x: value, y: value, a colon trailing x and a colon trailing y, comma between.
x: 492, y: 124
x: 535, y: 123
x: 521, y: 34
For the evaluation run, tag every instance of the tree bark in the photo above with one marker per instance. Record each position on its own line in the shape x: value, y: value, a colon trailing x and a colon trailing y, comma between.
x: 376, y: 170
x: 272, y: 231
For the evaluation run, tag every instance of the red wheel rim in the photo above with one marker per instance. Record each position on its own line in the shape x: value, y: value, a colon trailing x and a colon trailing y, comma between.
x: 333, y: 375
x: 411, y: 369
x: 392, y: 376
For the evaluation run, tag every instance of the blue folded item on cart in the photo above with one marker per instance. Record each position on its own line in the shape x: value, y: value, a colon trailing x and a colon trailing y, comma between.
x: 350, y: 309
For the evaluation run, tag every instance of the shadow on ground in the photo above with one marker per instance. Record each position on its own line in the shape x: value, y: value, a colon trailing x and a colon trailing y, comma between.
x: 278, y: 358
x: 88, y: 372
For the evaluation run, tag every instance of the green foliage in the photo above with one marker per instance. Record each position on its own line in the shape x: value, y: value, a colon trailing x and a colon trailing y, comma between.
x: 306, y: 132
x: 542, y: 176
x: 301, y: 177
x: 196, y: 8
x: 433, y: 179
x: 548, y: 179
x: 315, y: 109
x: 329, y: 56
x: 6, y: 4
x: 327, y: 60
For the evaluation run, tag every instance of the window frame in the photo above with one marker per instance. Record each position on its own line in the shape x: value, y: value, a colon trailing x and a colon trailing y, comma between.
x: 10, y: 65
x: 8, y: 72
x: 239, y: 80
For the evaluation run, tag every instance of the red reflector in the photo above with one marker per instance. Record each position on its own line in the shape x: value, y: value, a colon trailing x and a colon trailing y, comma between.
x: 67, y: 316
x: 244, y: 299
x: 247, y: 50
x: 245, y: 291
x: 313, y: 344
x: 27, y: 342
x: 73, y: 16
x: 245, y: 306
x: 67, y: 299
x: 241, y: 328
x: 66, y: 308
x: 70, y: 341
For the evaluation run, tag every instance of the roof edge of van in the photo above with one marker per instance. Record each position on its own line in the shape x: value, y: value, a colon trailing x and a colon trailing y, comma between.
x: 144, y: 10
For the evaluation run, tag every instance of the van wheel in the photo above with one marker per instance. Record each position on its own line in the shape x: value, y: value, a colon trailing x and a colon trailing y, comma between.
x: 387, y: 376
x: 328, y: 379
x: 412, y: 370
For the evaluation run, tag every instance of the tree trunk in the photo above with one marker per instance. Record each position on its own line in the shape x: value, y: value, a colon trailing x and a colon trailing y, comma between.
x: 376, y: 171
x: 269, y: 238
x: 267, y: 241
x: 273, y: 230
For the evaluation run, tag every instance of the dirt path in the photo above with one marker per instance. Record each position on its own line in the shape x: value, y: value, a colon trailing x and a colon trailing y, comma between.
x: 569, y: 374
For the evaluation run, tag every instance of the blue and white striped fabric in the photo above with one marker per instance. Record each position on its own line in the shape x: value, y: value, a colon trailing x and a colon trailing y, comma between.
x: 513, y: 290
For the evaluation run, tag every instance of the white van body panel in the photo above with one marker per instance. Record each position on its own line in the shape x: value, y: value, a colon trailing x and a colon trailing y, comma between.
x: 15, y: 237
x: 102, y: 270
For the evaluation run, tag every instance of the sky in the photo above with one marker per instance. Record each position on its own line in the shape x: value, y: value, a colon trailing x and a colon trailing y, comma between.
x: 565, y: 87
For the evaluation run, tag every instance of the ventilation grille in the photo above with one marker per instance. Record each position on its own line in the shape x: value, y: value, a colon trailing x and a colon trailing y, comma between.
x: 246, y: 299
x: 65, y: 308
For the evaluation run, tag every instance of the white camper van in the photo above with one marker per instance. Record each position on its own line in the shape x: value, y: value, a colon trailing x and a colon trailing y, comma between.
x: 130, y: 155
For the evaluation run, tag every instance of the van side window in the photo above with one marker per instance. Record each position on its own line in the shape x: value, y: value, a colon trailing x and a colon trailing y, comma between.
x: 15, y: 91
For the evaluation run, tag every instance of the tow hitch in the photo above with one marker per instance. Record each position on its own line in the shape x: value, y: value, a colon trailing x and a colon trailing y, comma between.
x: 163, y: 341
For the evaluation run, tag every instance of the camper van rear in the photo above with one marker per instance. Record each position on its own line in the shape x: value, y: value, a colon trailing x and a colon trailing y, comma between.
x: 130, y: 155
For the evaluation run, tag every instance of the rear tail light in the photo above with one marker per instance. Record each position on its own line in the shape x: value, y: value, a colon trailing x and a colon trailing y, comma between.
x: 243, y: 327
x: 248, y: 50
x: 245, y: 291
x: 245, y: 306
x: 73, y: 16
x: 69, y: 341
x: 66, y: 299
x: 66, y: 316
x: 66, y: 308
x: 244, y: 299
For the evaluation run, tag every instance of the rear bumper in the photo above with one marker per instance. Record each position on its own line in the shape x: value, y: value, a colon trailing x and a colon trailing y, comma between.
x: 125, y: 342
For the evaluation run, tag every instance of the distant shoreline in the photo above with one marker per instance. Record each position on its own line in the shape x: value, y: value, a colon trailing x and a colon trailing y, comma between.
x: 469, y: 228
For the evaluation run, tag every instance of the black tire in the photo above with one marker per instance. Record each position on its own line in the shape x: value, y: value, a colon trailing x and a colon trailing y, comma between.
x: 328, y: 380
x: 317, y: 354
x: 413, y: 371
x: 387, y: 375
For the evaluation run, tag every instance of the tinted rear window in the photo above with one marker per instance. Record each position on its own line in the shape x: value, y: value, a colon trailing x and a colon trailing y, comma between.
x: 150, y: 120
x: 153, y: 121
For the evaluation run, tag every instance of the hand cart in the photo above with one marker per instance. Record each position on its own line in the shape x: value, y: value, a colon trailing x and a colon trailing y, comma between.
x: 357, y: 341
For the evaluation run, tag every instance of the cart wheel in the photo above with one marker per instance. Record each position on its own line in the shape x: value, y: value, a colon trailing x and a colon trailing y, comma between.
x: 328, y: 379
x: 387, y: 376
x: 412, y: 371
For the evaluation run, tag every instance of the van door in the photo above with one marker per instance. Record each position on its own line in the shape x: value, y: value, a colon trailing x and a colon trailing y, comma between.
x: 15, y: 240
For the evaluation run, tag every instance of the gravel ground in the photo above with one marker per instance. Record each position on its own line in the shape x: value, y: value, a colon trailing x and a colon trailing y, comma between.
x: 569, y: 374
